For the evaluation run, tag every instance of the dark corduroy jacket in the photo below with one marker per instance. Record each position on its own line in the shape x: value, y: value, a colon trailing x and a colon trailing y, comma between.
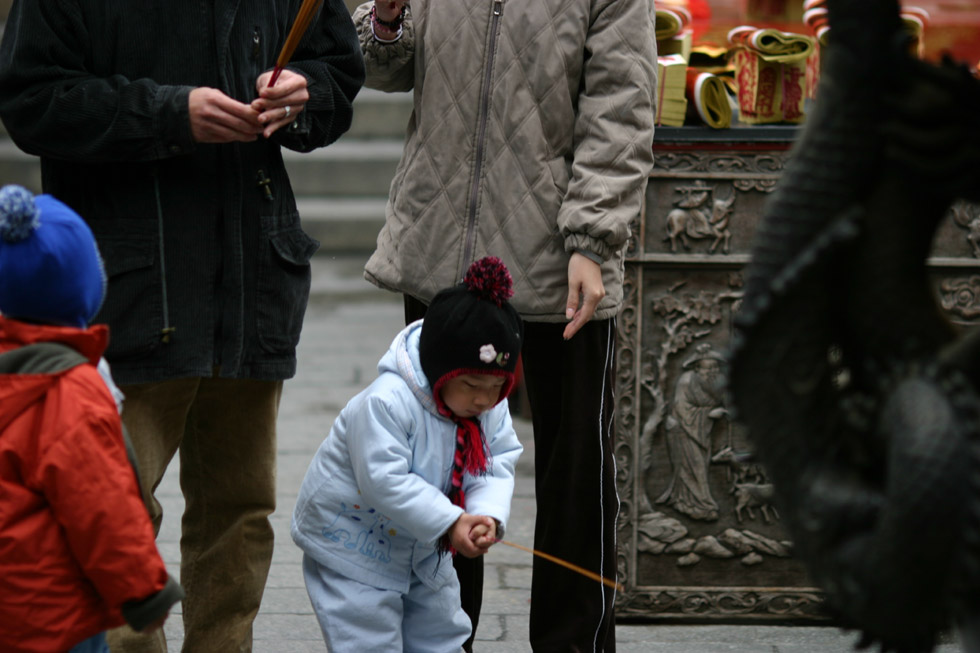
x: 206, y: 270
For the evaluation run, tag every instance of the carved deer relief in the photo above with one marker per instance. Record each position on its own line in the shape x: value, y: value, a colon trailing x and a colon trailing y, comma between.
x: 700, y: 215
x: 750, y: 485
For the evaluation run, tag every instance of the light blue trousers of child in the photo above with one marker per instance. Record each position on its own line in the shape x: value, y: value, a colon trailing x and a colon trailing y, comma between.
x: 355, y: 617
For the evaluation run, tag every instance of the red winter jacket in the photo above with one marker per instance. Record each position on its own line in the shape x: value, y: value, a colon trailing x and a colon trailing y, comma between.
x: 75, y: 539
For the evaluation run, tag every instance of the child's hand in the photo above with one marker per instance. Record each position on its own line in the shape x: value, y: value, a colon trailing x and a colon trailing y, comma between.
x: 469, y: 534
x: 484, y: 535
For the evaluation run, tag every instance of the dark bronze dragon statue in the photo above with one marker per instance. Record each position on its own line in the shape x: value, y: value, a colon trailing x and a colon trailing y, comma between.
x: 861, y: 399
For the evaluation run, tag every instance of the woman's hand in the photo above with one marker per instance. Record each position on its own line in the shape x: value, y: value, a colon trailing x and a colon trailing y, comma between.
x: 585, y: 291
x: 389, y: 10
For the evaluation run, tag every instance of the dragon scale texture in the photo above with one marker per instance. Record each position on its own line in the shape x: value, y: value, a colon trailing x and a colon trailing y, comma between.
x: 858, y: 395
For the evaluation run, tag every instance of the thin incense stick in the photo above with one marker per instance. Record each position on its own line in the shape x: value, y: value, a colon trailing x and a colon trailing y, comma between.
x: 564, y: 563
x: 306, y: 12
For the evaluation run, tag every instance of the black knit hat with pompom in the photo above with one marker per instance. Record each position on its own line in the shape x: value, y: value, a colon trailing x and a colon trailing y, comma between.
x: 471, y: 328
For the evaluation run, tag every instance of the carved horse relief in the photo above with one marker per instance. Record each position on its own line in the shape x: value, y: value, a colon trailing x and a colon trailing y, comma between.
x: 699, y: 215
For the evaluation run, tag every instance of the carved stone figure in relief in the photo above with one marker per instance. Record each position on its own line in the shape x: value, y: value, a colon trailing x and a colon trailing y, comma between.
x: 960, y: 297
x: 696, y: 218
x: 749, y: 485
x: 968, y: 217
x: 697, y: 404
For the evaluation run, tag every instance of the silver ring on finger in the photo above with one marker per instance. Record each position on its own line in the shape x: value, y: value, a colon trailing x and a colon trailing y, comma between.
x: 288, y: 111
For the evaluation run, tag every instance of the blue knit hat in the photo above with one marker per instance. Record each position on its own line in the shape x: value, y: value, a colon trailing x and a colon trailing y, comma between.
x: 50, y: 268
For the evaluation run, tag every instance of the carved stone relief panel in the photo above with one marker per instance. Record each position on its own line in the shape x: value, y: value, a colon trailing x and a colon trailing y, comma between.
x: 958, y: 292
x: 700, y: 539
x: 697, y: 203
x: 699, y: 535
x: 959, y: 235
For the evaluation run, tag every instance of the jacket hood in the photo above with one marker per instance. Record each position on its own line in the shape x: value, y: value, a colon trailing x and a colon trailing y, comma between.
x: 18, y: 391
x: 402, y: 358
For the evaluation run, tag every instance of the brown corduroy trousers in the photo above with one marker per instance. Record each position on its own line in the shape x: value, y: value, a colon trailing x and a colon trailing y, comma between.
x: 225, y: 433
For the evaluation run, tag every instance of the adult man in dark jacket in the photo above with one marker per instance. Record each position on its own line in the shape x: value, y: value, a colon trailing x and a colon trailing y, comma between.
x: 156, y: 123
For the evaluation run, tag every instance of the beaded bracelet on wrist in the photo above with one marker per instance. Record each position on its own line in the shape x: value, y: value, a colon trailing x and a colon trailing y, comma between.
x: 390, y: 25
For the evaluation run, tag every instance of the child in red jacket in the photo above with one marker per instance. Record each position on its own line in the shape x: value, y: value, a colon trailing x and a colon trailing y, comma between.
x: 77, y: 550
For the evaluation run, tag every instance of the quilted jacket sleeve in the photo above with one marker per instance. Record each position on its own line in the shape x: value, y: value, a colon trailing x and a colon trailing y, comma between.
x: 91, y: 488
x: 390, y: 66
x: 54, y: 105
x: 613, y: 129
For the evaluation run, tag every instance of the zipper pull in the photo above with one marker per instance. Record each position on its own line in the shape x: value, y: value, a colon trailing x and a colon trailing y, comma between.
x: 498, y: 7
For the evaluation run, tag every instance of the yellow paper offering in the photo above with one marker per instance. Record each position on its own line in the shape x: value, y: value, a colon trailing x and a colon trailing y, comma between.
x: 671, y: 99
x: 671, y: 22
x: 707, y: 97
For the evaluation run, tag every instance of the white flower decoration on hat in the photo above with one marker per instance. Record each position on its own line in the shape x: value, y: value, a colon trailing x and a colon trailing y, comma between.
x: 487, y: 353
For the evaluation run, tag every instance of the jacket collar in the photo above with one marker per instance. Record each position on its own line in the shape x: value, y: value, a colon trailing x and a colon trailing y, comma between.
x: 90, y: 342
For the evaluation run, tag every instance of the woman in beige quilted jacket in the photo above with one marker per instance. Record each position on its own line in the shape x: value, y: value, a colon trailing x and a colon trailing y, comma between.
x: 531, y: 140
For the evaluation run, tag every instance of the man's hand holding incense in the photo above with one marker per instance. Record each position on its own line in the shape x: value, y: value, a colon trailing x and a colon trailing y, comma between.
x: 278, y: 105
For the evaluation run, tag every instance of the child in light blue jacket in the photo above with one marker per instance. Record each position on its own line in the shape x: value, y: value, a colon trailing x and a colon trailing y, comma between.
x: 417, y: 467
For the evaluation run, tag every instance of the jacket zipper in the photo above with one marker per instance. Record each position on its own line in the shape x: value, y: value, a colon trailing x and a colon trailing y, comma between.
x: 470, y: 238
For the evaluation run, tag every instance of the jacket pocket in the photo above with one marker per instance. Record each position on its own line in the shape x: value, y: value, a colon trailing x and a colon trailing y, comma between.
x: 134, y: 299
x: 283, y: 286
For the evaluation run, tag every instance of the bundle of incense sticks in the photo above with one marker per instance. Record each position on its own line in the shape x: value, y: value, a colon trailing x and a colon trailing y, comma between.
x: 304, y: 16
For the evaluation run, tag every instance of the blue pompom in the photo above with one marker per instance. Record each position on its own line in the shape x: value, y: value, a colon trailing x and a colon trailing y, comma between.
x: 18, y: 214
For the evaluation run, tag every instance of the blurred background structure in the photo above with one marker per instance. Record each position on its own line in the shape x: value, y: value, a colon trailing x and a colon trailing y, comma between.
x: 342, y: 189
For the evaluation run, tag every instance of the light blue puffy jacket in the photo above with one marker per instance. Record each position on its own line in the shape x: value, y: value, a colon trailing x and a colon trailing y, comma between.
x: 373, y: 504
